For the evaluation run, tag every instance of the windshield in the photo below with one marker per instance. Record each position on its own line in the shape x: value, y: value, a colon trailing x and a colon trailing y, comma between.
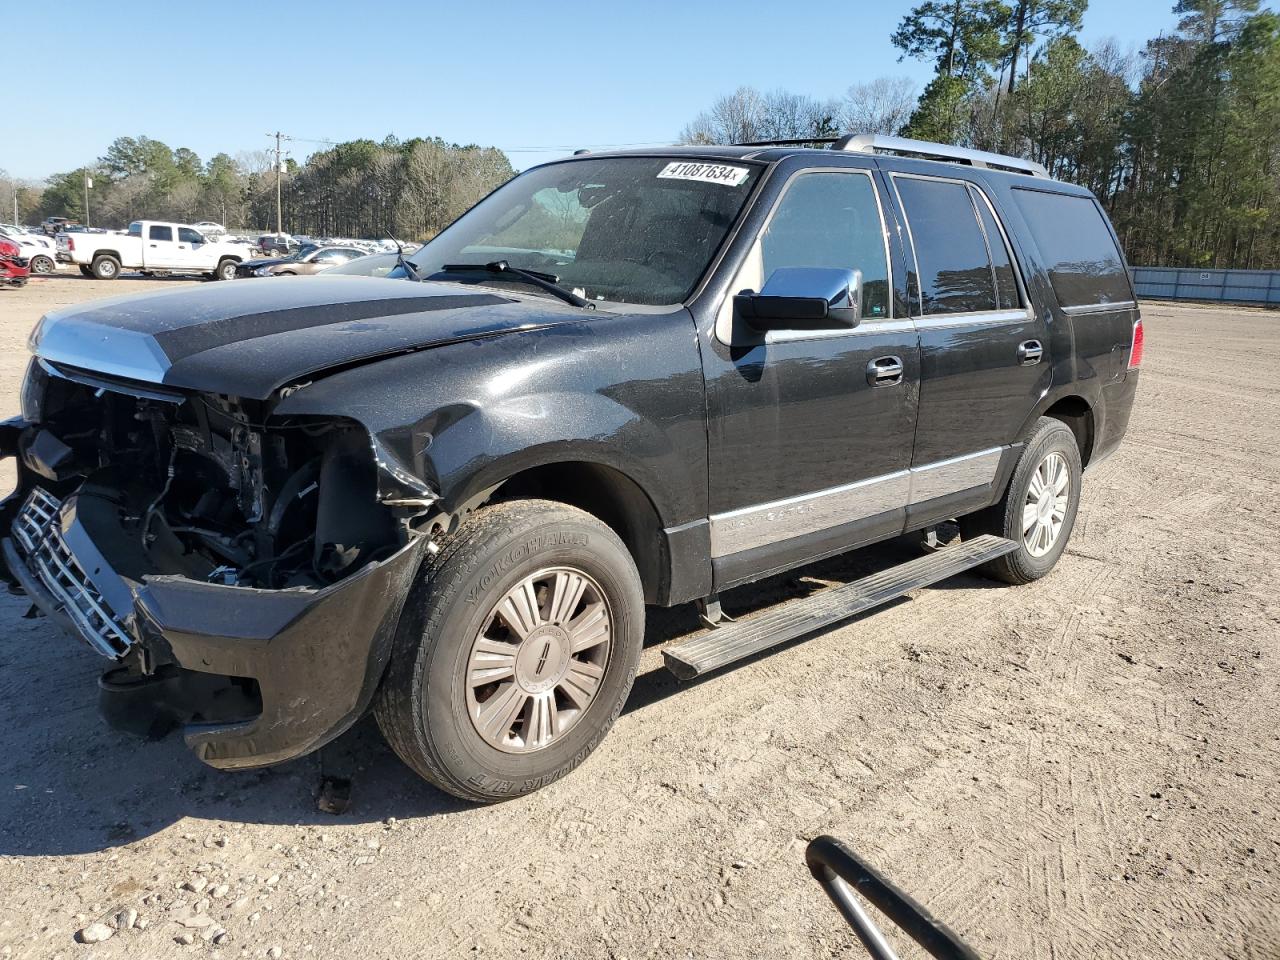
x: 629, y: 229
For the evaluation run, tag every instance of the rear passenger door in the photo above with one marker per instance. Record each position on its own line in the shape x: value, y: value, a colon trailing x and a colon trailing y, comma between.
x: 160, y: 248
x: 983, y: 352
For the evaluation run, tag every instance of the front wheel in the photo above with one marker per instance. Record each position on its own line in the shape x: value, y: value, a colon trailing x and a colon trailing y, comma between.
x: 1039, y: 507
x: 226, y: 270
x: 516, y: 651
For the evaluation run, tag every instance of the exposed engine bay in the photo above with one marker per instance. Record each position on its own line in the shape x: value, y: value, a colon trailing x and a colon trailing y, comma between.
x: 198, y: 486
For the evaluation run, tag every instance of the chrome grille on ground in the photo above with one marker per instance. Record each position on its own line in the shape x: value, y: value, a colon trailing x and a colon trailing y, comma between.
x: 39, y: 539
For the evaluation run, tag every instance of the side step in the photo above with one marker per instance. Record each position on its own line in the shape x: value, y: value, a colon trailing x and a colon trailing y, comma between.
x: 716, y: 648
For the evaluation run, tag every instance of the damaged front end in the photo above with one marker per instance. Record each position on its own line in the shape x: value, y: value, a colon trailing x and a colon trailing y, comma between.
x: 245, y: 571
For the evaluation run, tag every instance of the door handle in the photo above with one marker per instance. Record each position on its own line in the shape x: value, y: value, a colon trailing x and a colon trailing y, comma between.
x: 1030, y: 352
x: 884, y: 371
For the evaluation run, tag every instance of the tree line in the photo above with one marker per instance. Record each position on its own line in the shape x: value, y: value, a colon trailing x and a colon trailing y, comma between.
x: 411, y: 189
x: 1180, y: 142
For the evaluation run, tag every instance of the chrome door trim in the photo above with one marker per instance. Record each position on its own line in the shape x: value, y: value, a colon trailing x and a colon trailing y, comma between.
x: 945, y: 321
x: 755, y: 526
x: 1085, y: 309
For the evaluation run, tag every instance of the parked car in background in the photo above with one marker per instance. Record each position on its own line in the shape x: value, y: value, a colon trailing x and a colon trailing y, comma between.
x: 52, y: 226
x: 306, y: 260
x: 42, y: 251
x: 152, y: 247
x: 13, y: 265
x: 209, y: 228
x: 374, y: 265
x: 276, y: 243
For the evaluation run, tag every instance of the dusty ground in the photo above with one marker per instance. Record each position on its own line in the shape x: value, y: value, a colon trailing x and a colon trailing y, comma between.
x: 1085, y: 767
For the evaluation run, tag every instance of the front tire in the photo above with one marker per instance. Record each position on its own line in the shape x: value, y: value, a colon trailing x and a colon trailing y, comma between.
x: 1038, y: 510
x: 517, y: 648
x: 105, y: 267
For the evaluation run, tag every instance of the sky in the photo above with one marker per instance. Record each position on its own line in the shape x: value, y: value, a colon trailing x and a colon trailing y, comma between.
x: 537, y: 79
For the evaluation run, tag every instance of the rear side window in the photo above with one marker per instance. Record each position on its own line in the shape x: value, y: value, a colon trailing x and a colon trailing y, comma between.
x: 1084, y: 264
x: 952, y: 259
x: 187, y: 235
x: 831, y: 220
x: 1001, y: 262
x: 159, y: 233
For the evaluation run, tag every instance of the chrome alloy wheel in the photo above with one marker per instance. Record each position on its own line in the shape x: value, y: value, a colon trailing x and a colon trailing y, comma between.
x: 539, y: 660
x: 1045, y: 508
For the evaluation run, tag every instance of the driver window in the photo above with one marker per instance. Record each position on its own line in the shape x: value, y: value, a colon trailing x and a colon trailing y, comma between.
x: 831, y: 220
x: 824, y: 219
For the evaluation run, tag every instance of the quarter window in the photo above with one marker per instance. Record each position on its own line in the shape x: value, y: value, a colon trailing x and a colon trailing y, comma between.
x: 159, y: 233
x: 831, y: 220
x: 953, y: 264
x: 1001, y: 261
x: 1084, y: 263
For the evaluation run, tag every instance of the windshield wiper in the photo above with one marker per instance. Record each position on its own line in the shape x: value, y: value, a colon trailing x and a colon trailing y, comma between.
x: 544, y: 281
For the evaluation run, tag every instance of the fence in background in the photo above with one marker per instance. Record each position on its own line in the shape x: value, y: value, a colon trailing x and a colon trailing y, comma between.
x: 1188, y: 283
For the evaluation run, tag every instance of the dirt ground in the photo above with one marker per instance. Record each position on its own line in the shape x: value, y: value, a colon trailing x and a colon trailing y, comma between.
x: 1083, y: 767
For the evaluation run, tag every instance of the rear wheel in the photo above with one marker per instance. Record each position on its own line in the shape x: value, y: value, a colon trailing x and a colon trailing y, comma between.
x: 516, y: 651
x: 105, y: 267
x: 42, y: 265
x: 86, y: 271
x: 1039, y: 508
x: 226, y: 270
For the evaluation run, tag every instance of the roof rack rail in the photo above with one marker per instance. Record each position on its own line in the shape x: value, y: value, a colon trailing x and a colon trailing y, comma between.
x: 877, y: 143
x: 789, y: 142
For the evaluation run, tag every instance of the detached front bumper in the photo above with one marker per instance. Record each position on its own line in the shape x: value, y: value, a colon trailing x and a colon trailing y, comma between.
x: 254, y: 676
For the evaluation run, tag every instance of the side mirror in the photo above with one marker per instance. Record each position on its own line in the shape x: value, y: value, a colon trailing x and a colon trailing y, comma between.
x: 804, y: 298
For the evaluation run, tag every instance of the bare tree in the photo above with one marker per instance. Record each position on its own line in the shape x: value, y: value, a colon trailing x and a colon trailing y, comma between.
x: 881, y: 106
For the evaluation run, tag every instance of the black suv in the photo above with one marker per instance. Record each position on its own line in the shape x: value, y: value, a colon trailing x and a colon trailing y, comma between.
x: 620, y: 379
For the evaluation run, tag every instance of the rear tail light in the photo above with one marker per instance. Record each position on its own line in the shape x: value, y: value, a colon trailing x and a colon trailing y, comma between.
x: 71, y: 243
x: 1135, y: 350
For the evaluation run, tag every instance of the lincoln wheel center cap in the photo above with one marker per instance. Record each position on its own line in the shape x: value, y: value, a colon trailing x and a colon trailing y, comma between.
x: 543, y: 659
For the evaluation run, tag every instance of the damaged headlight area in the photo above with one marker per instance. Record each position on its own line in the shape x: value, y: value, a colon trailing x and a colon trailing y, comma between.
x: 246, y: 571
x: 198, y: 486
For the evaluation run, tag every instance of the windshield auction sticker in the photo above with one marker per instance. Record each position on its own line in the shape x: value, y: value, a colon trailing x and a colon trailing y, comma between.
x: 705, y: 173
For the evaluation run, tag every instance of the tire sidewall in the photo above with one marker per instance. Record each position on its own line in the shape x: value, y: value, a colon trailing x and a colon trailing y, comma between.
x: 42, y: 265
x: 457, y: 619
x: 1052, y: 436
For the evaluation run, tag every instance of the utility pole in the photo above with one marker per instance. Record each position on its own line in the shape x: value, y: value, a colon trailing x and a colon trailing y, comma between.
x: 280, y: 137
x: 88, y: 185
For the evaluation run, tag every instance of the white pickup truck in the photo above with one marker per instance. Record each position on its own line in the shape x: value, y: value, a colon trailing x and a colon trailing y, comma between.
x: 150, y: 246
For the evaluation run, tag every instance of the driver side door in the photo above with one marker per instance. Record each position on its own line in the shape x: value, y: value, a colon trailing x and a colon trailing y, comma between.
x: 810, y: 432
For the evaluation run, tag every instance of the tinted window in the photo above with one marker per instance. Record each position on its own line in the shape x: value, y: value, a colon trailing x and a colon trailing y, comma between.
x: 951, y: 251
x: 160, y: 233
x: 831, y: 220
x: 1001, y: 261
x: 187, y: 235
x: 1084, y: 265
x: 135, y: 229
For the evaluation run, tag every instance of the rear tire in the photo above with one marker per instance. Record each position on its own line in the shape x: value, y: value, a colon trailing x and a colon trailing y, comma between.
x: 1038, y: 510
x: 105, y: 267
x: 226, y: 270
x: 486, y: 710
x: 42, y: 265
x: 86, y: 271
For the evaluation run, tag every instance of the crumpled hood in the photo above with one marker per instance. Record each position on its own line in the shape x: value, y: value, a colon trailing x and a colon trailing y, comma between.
x: 248, y: 339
